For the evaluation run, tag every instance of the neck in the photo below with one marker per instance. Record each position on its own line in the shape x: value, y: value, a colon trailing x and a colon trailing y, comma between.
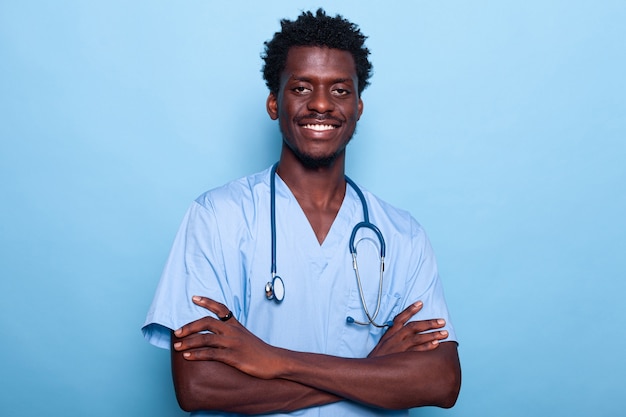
x: 319, y: 191
x: 314, y: 187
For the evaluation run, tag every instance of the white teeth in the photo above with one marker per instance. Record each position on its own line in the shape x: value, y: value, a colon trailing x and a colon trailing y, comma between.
x: 319, y: 127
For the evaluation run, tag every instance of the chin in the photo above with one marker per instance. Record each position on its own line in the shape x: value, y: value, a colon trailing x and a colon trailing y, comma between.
x: 314, y: 162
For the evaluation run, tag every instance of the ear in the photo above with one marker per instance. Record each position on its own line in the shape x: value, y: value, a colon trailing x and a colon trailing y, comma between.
x: 360, y: 106
x: 272, y: 106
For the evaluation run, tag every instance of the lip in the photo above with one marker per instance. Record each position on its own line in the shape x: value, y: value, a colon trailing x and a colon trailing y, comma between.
x: 313, y: 120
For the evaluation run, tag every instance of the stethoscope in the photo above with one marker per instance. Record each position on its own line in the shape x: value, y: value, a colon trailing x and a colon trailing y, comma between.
x: 275, y: 289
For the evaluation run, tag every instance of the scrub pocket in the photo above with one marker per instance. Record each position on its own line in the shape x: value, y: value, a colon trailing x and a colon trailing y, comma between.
x: 358, y: 338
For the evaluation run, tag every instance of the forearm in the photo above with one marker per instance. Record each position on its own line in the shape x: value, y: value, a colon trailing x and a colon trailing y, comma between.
x: 212, y: 385
x: 408, y: 368
x: 397, y: 381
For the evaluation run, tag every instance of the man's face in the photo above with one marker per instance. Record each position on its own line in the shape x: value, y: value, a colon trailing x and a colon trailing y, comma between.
x: 318, y: 104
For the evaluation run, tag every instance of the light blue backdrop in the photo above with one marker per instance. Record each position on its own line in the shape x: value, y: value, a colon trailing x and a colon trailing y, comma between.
x: 500, y: 125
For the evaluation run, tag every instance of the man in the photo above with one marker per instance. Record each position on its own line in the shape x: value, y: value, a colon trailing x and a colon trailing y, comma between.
x: 325, y: 339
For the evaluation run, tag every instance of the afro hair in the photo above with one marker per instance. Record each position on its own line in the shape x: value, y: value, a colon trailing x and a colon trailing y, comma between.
x: 315, y: 30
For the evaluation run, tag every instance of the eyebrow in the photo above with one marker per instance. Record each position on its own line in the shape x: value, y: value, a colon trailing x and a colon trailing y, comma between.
x: 310, y: 80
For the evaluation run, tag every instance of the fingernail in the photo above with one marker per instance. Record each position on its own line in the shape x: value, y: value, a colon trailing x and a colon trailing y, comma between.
x: 418, y: 304
x: 186, y: 355
x: 441, y: 321
x: 435, y: 342
x: 177, y: 345
x: 444, y: 333
x: 178, y: 332
x: 196, y: 298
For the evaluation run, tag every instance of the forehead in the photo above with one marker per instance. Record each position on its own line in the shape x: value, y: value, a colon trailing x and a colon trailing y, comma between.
x: 315, y: 62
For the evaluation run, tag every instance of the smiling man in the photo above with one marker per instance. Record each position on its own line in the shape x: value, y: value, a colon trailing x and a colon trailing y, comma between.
x: 356, y: 323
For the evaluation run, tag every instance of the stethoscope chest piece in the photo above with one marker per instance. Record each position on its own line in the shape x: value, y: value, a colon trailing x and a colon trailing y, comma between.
x: 275, y: 289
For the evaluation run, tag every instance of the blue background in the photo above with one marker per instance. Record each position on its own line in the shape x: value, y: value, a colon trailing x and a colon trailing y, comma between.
x: 500, y: 125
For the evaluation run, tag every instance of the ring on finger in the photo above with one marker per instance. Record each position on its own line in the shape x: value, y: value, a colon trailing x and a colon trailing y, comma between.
x: 227, y: 316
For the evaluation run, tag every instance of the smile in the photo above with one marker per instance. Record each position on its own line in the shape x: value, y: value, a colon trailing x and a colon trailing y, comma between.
x: 319, y: 128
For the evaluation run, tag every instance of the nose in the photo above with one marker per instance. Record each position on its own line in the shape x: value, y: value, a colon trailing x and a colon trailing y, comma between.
x: 321, y: 101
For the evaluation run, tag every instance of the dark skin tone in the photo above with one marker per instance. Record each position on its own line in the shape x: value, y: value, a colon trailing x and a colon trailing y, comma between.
x: 317, y: 107
x: 317, y: 116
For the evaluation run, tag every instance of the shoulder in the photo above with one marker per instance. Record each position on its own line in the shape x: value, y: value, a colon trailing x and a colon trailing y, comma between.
x: 390, y: 217
x: 228, y: 215
x: 399, y: 227
x: 235, y: 195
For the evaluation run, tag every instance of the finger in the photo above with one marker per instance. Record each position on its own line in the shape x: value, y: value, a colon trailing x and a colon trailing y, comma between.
x: 400, y: 319
x: 428, y: 341
x: 425, y: 325
x: 424, y: 347
x: 407, y: 313
x: 206, y: 354
x: 197, y: 340
x: 204, y: 324
x: 219, y: 309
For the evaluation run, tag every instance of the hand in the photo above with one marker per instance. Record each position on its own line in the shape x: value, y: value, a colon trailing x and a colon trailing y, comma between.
x: 228, y: 342
x: 413, y: 336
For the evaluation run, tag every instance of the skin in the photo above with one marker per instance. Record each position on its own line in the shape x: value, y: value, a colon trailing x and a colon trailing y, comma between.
x: 317, y: 87
x: 217, y: 363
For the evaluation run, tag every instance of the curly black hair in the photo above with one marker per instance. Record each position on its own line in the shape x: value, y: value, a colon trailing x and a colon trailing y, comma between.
x: 315, y: 30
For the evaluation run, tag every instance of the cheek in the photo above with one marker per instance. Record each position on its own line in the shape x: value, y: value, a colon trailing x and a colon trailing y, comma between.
x: 352, y: 111
x: 286, y: 110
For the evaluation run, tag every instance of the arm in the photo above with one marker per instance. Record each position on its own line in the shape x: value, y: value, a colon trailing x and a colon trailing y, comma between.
x: 410, y: 379
x: 212, y: 385
x: 277, y: 379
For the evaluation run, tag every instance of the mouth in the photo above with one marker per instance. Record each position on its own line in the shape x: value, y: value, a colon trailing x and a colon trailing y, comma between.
x: 318, y: 127
x: 319, y: 123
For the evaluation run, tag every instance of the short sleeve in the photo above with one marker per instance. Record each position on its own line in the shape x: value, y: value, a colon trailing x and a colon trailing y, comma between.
x: 424, y: 282
x: 195, y: 266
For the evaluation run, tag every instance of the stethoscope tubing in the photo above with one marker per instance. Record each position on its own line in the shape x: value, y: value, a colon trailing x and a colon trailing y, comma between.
x: 273, y: 216
x: 352, y: 246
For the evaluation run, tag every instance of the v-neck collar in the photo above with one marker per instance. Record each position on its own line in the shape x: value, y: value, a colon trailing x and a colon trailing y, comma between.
x: 347, y: 215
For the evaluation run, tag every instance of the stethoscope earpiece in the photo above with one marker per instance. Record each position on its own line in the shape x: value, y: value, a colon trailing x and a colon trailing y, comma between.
x: 351, y: 320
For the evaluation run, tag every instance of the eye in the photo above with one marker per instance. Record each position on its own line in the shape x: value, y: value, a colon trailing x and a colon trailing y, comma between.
x: 300, y: 90
x: 341, y: 91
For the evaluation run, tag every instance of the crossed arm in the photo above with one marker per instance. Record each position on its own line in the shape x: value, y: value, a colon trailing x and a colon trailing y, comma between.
x: 214, y: 371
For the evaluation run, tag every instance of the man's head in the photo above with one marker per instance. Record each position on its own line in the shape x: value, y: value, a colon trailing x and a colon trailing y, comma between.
x: 315, y: 30
x: 316, y: 69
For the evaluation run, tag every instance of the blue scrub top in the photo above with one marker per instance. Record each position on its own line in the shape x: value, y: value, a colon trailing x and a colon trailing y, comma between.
x: 223, y: 251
